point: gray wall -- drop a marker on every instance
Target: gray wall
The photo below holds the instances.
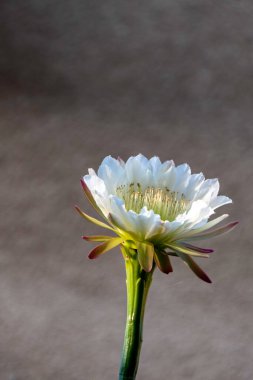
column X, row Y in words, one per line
column 80, row 80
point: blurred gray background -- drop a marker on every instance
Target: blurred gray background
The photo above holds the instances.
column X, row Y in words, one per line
column 84, row 79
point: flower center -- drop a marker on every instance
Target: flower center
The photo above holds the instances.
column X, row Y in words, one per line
column 168, row 204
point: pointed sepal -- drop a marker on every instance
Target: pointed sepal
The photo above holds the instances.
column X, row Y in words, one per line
column 105, row 247
column 201, row 230
column 97, row 238
column 93, row 220
column 213, row 233
column 194, row 267
column 162, row 260
column 91, row 198
column 145, row 255
column 186, row 250
column 197, row 249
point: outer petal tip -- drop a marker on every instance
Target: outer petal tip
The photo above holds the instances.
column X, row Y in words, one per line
column 198, row 249
column 78, row 209
column 121, row 161
column 163, row 262
column 106, row 246
column 204, row 277
column 84, row 185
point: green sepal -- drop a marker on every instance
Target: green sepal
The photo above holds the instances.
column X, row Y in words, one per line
column 97, row 238
column 105, row 247
column 187, row 251
column 145, row 255
column 93, row 220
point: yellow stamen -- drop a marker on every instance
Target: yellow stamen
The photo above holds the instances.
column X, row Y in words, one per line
column 168, row 204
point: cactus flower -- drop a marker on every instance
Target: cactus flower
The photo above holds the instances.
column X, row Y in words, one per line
column 155, row 210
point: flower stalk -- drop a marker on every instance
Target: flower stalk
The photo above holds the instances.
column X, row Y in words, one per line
column 137, row 283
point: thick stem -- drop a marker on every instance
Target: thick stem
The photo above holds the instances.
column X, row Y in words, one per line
column 138, row 282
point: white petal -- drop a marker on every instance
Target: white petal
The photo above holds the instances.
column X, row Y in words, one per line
column 137, row 170
column 219, row 201
column 166, row 177
column 198, row 214
column 155, row 164
column 98, row 189
column 193, row 186
column 171, row 229
column 144, row 225
column 194, row 232
column 183, row 173
column 94, row 183
column 150, row 223
column 111, row 171
column 118, row 209
column 208, row 190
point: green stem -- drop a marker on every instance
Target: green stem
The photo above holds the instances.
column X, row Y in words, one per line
column 138, row 282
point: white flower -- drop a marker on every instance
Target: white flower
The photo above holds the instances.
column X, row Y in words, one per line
column 156, row 208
